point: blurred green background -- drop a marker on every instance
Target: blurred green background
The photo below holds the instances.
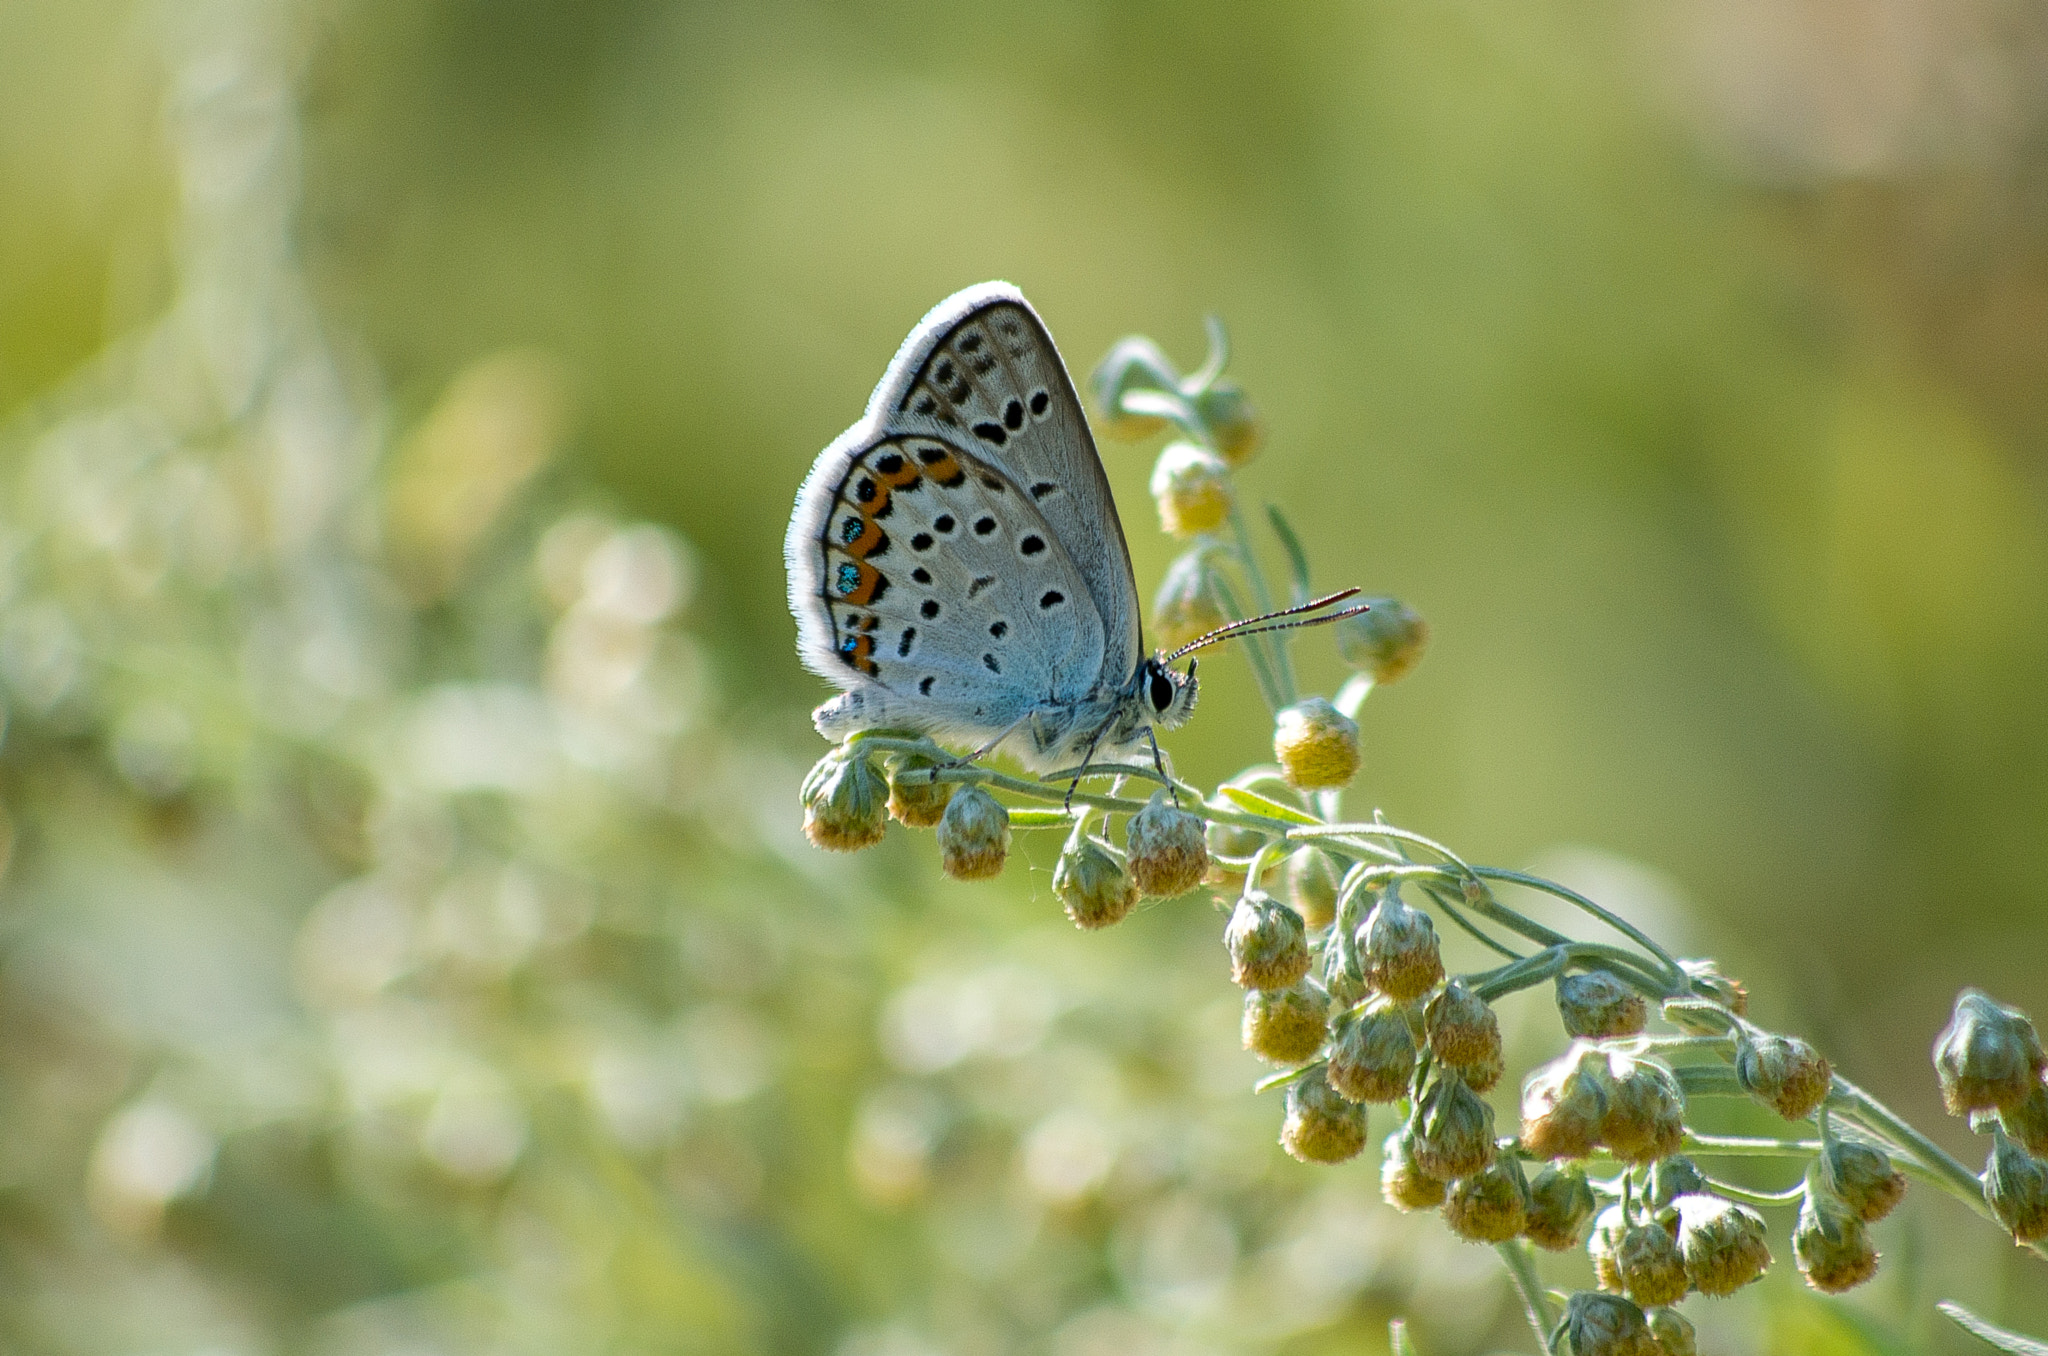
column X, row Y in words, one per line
column 406, row 945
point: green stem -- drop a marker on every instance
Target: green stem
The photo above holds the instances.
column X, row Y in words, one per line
column 1274, row 644
column 1613, row 920
column 1269, row 686
column 1535, row 1299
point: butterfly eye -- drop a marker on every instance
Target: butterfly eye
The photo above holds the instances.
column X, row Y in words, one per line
column 1162, row 691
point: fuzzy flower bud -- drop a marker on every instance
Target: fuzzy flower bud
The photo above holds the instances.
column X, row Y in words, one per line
column 1708, row 982
column 1862, row 1178
column 2027, row 1121
column 1649, row 1265
column 1831, row 1245
column 1564, row 1103
column 1092, row 885
column 1599, row 1324
column 1404, row 1185
column 1452, row 1130
column 915, row 800
column 1191, row 486
column 1645, row 1117
column 1989, row 1056
column 1165, row 849
column 1316, row 745
column 1723, row 1243
column 1373, row 1056
column 1491, row 1205
column 1602, row 1243
column 1135, row 364
column 1561, row 1209
column 974, row 835
column 845, row 803
column 1312, row 881
column 1398, row 950
column 1784, row 1073
column 2016, row 1189
column 1321, row 1127
column 1268, row 946
column 1233, row 424
column 1185, row 606
column 1597, row 1006
column 1671, row 1178
column 1464, row 1034
column 1674, row 1333
column 1384, row 643
column 1286, row 1025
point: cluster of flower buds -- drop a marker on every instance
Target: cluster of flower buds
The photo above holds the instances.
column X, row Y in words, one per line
column 1992, row 1069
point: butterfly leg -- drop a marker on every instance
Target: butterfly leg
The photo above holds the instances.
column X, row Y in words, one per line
column 1087, row 757
column 1159, row 765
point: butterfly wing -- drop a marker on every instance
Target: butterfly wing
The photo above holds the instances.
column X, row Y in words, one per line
column 926, row 583
column 981, row 373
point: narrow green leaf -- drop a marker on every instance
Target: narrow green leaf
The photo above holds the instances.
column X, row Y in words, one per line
column 1398, row 1339
column 1996, row 1336
column 1040, row 819
column 1297, row 559
column 1271, row 809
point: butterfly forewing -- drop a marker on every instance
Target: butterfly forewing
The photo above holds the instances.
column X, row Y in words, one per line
column 982, row 372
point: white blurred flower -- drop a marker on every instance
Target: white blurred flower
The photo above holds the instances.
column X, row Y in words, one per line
column 150, row 1154
column 1068, row 1155
column 475, row 1129
column 1002, row 1010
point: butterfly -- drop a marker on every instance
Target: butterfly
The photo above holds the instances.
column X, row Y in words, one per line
column 956, row 564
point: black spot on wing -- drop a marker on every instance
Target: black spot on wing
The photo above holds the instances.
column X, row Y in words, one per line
column 929, row 610
column 921, row 542
column 903, row 645
column 1039, row 401
column 1013, row 415
column 979, row 584
column 1032, row 544
column 995, row 484
column 991, row 433
column 983, row 526
column 999, row 629
column 921, row 575
column 1040, row 489
column 944, row 524
column 989, row 662
column 1051, row 598
column 924, row 686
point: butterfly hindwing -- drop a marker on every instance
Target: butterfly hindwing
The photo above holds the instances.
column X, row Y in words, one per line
column 982, row 372
column 939, row 595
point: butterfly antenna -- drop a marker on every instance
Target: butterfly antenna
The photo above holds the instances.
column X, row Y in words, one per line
column 1268, row 621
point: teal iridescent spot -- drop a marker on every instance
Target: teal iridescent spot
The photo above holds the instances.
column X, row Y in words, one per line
column 849, row 577
column 850, row 530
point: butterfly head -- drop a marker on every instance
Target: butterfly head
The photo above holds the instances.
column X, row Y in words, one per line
column 1167, row 694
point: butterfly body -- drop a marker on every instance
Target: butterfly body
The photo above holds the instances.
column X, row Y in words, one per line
column 955, row 559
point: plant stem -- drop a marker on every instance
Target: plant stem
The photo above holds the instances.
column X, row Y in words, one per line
column 1535, row 1299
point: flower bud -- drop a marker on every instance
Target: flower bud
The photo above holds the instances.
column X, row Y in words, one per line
column 1671, row 1178
column 1404, row 1185
column 1347, row 988
column 1831, row 1245
column 2027, row 1121
column 1191, row 486
column 1597, row 1006
column 1452, row 1130
column 2016, row 1189
column 1490, row 1205
column 1092, row 885
column 1723, row 1243
column 1373, row 1056
column 1602, row 1244
column 1564, row 1103
column 1649, row 1265
column 915, row 800
column 1234, row 426
column 1268, row 947
column 1134, row 364
column 1862, row 1178
column 1384, row 643
column 1674, row 1333
column 1709, row 982
column 1185, row 606
column 845, row 803
column 1645, row 1117
column 1316, row 745
column 974, row 835
column 1561, row 1209
column 1464, row 1034
column 1286, row 1025
column 1599, row 1324
column 1313, row 878
column 1784, row 1073
column 1321, row 1127
column 1165, row 850
column 1397, row 948
column 1989, row 1056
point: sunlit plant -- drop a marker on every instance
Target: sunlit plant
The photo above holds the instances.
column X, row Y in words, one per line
column 1332, row 931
